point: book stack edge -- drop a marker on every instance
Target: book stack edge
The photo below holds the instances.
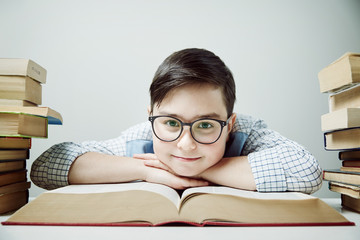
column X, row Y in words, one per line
column 21, row 119
column 341, row 126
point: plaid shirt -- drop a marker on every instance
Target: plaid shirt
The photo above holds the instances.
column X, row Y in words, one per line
column 278, row 164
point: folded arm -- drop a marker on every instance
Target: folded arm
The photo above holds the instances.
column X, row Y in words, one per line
column 92, row 163
column 280, row 164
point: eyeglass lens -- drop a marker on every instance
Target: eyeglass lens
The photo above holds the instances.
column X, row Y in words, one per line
column 203, row 130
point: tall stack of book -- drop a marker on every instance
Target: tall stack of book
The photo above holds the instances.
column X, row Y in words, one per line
column 341, row 126
column 21, row 119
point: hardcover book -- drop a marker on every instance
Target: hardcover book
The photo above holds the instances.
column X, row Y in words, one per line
column 148, row 204
column 336, row 175
column 15, row 143
column 12, row 177
column 22, row 67
column 349, row 98
column 343, row 139
column 344, row 72
column 347, row 189
column 13, row 154
column 13, row 196
column 20, row 88
column 350, row 202
column 349, row 155
column 14, row 124
column 53, row 116
column 341, row 119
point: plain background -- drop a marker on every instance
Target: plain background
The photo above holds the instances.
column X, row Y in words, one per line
column 101, row 57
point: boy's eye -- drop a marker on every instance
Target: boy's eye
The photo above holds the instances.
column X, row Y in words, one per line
column 205, row 125
column 172, row 123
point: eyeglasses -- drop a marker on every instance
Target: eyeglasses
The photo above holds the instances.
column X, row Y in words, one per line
column 204, row 131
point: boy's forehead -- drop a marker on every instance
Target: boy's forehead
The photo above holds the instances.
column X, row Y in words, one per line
column 193, row 102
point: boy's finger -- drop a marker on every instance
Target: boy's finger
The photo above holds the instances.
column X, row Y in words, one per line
column 156, row 164
column 145, row 156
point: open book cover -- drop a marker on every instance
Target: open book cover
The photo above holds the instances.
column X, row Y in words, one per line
column 147, row 204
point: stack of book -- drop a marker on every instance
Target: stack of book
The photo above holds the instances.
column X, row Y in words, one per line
column 21, row 119
column 341, row 126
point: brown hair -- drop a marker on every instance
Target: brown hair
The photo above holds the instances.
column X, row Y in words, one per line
column 192, row 66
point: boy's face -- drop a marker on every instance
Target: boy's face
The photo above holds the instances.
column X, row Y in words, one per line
column 185, row 156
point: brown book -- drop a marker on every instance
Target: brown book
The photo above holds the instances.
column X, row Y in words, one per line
column 23, row 125
column 344, row 139
column 350, row 169
column 14, row 102
column 347, row 189
column 336, row 175
column 340, row 119
column 349, row 155
column 15, row 187
column 13, row 154
column 350, row 202
column 351, row 163
column 344, row 72
column 148, row 204
column 53, row 116
column 20, row 88
column 15, row 143
column 13, row 201
column 22, row 67
column 12, row 166
column 12, row 177
column 349, row 98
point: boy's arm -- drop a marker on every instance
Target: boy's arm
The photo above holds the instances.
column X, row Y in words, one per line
column 95, row 162
column 278, row 163
column 232, row 172
column 92, row 168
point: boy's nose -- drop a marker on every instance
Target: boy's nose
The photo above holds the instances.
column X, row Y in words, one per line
column 186, row 141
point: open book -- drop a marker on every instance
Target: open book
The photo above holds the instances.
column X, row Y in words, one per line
column 142, row 203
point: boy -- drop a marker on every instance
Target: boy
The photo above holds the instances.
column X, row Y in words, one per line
column 192, row 138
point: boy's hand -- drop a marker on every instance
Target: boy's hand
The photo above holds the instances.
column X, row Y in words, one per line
column 158, row 172
column 151, row 160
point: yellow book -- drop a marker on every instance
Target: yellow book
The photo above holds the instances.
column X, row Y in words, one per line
column 349, row 98
column 22, row 67
column 23, row 125
column 148, row 204
column 14, row 154
column 340, row 119
column 344, row 72
column 15, row 143
column 343, row 139
column 20, row 88
column 53, row 116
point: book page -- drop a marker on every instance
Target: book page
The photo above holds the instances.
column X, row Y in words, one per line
column 163, row 190
column 245, row 193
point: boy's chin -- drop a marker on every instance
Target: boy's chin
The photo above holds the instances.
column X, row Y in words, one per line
column 186, row 173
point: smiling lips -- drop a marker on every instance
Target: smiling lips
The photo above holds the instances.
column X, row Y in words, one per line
column 186, row 159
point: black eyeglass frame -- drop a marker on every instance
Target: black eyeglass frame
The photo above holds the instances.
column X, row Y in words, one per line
column 222, row 124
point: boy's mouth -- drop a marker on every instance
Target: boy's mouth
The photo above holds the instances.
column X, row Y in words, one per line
column 186, row 159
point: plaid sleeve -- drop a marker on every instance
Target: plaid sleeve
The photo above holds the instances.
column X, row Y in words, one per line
column 50, row 170
column 280, row 164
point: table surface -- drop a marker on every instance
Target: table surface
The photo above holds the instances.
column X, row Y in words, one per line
column 184, row 232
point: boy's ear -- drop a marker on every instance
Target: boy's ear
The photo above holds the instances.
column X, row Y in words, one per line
column 149, row 110
column 231, row 122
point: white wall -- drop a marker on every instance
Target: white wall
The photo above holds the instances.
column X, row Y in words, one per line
column 101, row 57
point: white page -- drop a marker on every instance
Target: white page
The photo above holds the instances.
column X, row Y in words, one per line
column 247, row 194
column 163, row 190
